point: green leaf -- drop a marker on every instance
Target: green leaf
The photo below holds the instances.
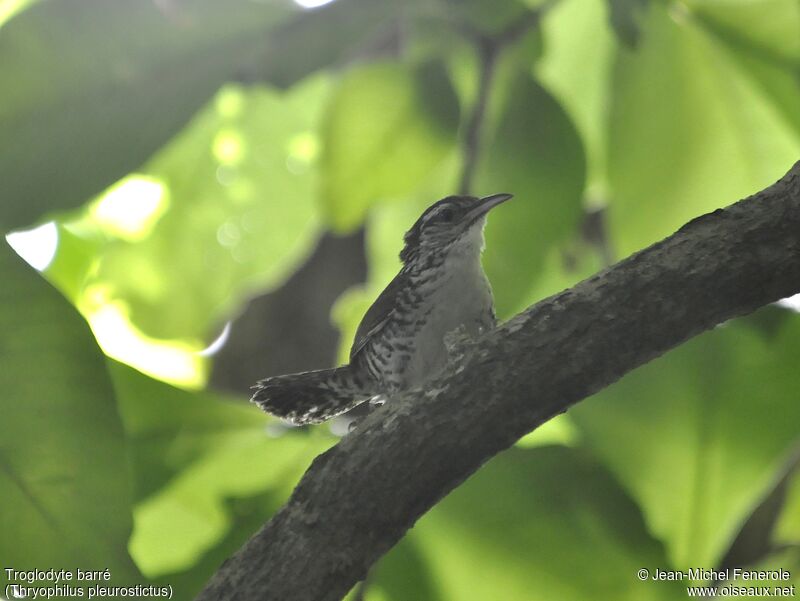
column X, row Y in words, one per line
column 624, row 16
column 559, row 430
column 403, row 574
column 11, row 8
column 781, row 562
column 169, row 428
column 787, row 528
column 92, row 87
column 531, row 525
column 236, row 213
column 690, row 132
column 387, row 127
column 766, row 26
column 536, row 154
column 700, row 435
column 773, row 76
column 199, row 461
column 66, row 500
column 576, row 68
column 247, row 516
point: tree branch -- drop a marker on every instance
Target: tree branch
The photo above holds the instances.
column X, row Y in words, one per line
column 359, row 498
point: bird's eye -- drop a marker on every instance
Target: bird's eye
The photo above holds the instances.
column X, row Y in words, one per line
column 447, row 215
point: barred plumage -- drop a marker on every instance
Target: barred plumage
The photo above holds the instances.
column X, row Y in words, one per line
column 400, row 343
column 314, row 396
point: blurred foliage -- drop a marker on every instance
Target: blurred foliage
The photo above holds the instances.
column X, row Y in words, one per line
column 538, row 521
column 787, row 530
column 62, row 443
column 535, row 151
column 191, row 153
column 787, row 560
column 242, row 176
column 375, row 149
column 686, row 414
column 194, row 454
column 85, row 76
column 683, row 104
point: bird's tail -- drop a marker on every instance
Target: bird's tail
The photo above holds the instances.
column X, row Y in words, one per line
column 314, row 396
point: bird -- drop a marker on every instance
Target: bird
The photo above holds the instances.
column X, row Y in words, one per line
column 401, row 342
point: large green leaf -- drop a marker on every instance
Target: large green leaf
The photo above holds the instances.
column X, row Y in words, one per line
column 247, row 516
column 690, row 131
column 545, row 523
column 66, row 500
column 773, row 76
column 199, row 460
column 237, row 190
column 536, row 154
column 700, row 435
column 387, row 127
column 92, row 87
column 576, row 67
column 766, row 26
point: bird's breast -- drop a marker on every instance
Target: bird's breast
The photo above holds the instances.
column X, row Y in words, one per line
column 412, row 347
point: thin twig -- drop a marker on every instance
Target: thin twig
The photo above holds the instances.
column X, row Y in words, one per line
column 487, row 53
column 519, row 28
column 489, row 50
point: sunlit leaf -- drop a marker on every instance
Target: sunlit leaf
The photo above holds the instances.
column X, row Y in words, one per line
column 769, row 26
column 699, row 436
column 246, row 517
column 66, row 499
column 91, row 88
column 387, row 127
column 238, row 185
column 559, row 430
column 690, row 132
column 773, row 77
column 576, row 67
column 193, row 455
column 11, row 8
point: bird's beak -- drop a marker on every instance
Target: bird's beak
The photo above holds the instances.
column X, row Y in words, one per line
column 486, row 204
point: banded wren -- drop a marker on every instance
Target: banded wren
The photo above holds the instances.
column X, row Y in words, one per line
column 401, row 341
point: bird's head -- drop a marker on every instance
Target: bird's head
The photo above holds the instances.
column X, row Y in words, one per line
column 451, row 223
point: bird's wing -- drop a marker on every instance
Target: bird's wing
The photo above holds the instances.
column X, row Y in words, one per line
column 378, row 314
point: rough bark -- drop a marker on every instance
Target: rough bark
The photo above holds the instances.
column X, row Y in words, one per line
column 359, row 498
